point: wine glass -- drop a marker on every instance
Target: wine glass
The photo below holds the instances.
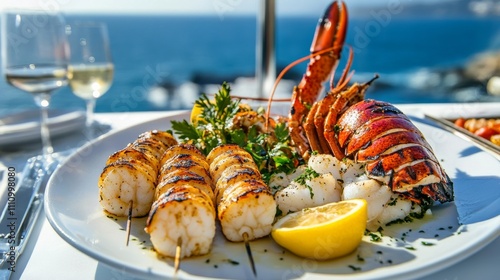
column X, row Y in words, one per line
column 35, row 58
column 91, row 68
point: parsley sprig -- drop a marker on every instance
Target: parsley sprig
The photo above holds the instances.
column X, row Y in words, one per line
column 270, row 150
column 212, row 128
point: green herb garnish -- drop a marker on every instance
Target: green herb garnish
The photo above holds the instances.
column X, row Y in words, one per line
column 393, row 201
column 308, row 175
column 373, row 236
column 213, row 126
column 232, row 262
column 217, row 126
column 354, row 268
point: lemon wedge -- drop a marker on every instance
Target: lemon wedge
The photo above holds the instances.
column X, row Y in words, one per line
column 323, row 232
column 196, row 114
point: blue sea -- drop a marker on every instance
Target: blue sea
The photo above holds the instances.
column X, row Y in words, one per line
column 415, row 57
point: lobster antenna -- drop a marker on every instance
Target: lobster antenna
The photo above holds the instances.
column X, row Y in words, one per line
column 249, row 253
column 344, row 83
column 259, row 98
column 372, row 80
column 332, row 77
column 129, row 220
column 347, row 68
column 282, row 73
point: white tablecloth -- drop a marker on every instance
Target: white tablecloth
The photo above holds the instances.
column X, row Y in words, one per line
column 48, row 256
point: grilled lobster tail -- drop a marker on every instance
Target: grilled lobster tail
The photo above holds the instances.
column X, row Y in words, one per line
column 394, row 150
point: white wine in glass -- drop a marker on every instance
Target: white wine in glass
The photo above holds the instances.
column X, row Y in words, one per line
column 91, row 67
column 35, row 58
column 91, row 81
column 41, row 78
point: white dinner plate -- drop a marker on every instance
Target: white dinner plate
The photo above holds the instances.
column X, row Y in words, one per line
column 405, row 250
column 24, row 127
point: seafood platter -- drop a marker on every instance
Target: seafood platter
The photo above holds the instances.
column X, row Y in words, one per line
column 339, row 186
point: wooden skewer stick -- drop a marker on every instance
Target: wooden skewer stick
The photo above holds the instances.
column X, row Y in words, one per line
column 129, row 219
column 249, row 253
column 177, row 260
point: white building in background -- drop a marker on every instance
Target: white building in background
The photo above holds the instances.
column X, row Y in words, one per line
column 485, row 7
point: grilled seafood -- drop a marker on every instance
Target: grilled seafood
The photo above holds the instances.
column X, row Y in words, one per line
column 184, row 163
column 373, row 133
column 183, row 214
column 130, row 174
column 245, row 205
column 355, row 148
column 394, row 151
column 316, row 191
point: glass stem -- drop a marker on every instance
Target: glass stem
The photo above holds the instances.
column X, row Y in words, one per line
column 43, row 101
column 90, row 112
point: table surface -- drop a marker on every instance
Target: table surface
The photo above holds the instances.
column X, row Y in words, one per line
column 48, row 256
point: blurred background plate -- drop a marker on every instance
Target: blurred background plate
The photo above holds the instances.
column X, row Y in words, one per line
column 24, row 127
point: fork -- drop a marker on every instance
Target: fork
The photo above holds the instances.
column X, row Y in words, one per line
column 20, row 213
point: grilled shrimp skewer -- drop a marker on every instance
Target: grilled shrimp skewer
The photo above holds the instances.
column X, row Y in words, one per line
column 129, row 176
column 181, row 222
column 240, row 189
column 128, row 180
column 245, row 205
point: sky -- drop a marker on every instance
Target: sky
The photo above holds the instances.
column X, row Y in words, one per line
column 217, row 7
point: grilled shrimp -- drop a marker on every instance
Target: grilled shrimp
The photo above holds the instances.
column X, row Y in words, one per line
column 182, row 177
column 122, row 182
column 183, row 150
column 228, row 159
column 183, row 212
column 246, row 207
column 180, row 167
column 185, row 216
column 130, row 174
column 232, row 175
column 132, row 155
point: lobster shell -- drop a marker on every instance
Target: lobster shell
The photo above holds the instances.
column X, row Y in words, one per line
column 394, row 150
